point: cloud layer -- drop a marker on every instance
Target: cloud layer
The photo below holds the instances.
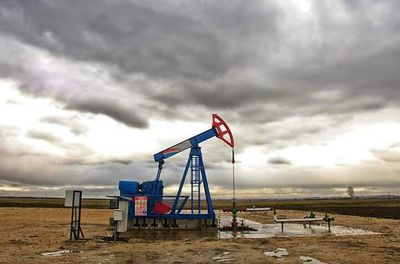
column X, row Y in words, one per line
column 290, row 79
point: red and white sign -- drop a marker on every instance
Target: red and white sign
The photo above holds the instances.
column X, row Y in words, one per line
column 140, row 205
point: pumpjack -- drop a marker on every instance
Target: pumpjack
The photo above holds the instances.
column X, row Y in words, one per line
column 149, row 207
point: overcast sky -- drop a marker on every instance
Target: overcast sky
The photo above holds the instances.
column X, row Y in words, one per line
column 90, row 90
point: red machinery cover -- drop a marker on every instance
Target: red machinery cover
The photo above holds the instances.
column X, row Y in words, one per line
column 161, row 208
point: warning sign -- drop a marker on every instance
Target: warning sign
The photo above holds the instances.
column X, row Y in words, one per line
column 141, row 205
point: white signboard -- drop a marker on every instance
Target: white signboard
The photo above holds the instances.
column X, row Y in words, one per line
column 69, row 195
column 140, row 205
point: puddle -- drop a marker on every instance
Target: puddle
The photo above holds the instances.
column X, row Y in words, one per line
column 290, row 230
column 278, row 253
column 59, row 253
column 223, row 258
column 309, row 260
column 263, row 231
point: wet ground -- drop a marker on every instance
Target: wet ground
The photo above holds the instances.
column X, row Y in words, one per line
column 290, row 230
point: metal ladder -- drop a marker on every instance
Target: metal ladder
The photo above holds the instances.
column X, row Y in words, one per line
column 195, row 183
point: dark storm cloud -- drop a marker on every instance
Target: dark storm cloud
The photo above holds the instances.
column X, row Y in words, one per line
column 355, row 50
column 278, row 78
column 160, row 40
column 179, row 47
column 109, row 108
column 204, row 51
column 73, row 87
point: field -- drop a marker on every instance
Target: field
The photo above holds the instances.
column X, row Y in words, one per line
column 27, row 232
column 49, row 202
column 381, row 208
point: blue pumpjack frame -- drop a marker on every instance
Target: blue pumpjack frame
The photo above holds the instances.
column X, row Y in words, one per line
column 176, row 212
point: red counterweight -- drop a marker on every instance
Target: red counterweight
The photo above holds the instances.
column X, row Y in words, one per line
column 223, row 129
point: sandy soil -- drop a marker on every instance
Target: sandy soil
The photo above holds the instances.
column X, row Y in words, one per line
column 25, row 233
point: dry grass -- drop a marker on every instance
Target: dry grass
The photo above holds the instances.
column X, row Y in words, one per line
column 383, row 208
column 45, row 202
column 25, row 233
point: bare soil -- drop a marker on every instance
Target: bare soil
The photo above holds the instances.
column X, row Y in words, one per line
column 25, row 233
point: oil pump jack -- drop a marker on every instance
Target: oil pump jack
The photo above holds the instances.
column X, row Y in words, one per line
column 156, row 208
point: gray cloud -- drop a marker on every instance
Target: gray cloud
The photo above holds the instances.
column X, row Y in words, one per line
column 390, row 155
column 36, row 171
column 109, row 108
column 26, row 167
column 278, row 78
column 159, row 40
column 224, row 56
column 279, row 161
column 73, row 123
column 41, row 135
column 8, row 131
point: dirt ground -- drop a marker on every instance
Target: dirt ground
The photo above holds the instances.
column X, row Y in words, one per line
column 25, row 233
